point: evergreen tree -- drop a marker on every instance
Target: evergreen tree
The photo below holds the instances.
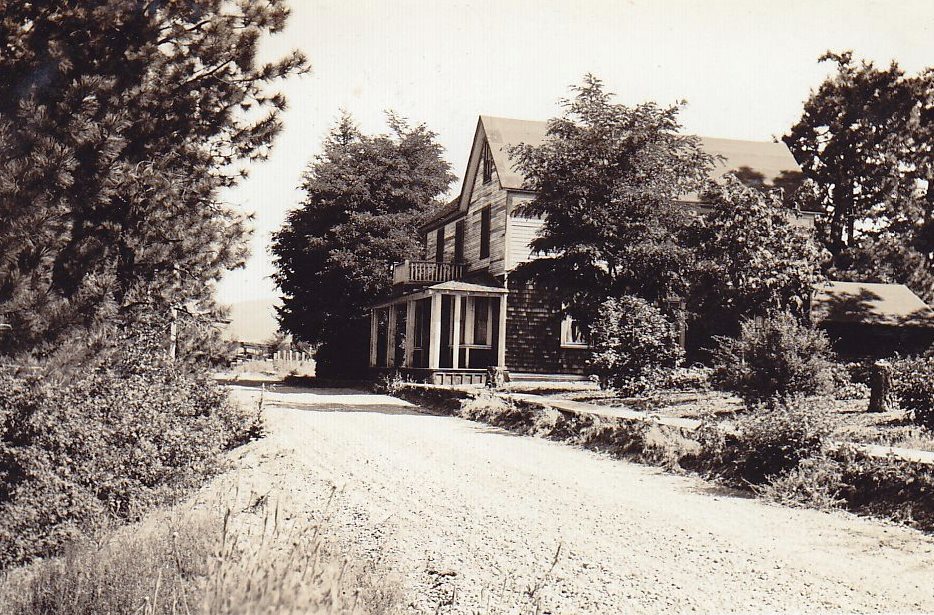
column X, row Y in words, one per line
column 120, row 121
column 366, row 197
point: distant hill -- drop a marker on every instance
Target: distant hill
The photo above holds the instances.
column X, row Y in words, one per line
column 252, row 321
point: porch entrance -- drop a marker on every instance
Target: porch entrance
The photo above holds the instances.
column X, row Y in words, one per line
column 453, row 326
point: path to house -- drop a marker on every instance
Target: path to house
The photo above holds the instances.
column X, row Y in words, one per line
column 480, row 520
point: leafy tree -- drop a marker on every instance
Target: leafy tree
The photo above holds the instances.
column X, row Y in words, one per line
column 751, row 260
column 366, row 197
column 120, row 122
column 865, row 143
column 606, row 179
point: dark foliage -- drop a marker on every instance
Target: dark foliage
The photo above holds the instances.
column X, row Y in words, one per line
column 634, row 345
column 774, row 357
column 108, row 441
column 751, row 259
column 120, row 121
column 772, row 440
column 366, row 197
column 913, row 387
column 606, row 179
column 866, row 145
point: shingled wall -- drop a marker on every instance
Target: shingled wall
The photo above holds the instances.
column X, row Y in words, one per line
column 533, row 334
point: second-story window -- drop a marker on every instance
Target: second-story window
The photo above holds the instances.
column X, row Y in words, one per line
column 439, row 245
column 485, row 232
column 459, row 242
column 486, row 160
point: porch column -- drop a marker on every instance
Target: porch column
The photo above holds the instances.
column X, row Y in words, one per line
column 456, row 325
column 391, row 337
column 374, row 333
column 434, row 343
column 501, row 342
column 409, row 333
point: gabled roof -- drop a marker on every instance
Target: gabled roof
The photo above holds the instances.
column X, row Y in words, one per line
column 870, row 304
column 770, row 160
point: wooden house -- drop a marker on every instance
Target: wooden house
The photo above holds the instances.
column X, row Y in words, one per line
column 457, row 312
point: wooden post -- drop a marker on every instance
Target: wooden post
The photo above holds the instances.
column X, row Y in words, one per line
column 374, row 333
column 456, row 326
column 409, row 334
column 391, row 337
column 501, row 342
column 880, row 387
column 434, row 343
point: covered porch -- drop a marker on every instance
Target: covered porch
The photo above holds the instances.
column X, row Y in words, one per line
column 453, row 327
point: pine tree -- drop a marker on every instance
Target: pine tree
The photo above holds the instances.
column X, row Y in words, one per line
column 120, row 122
column 366, row 197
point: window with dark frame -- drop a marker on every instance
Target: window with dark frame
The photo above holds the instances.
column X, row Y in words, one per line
column 485, row 232
column 486, row 158
column 459, row 242
column 439, row 245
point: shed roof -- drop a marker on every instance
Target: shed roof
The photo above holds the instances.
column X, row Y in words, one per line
column 870, row 304
column 771, row 160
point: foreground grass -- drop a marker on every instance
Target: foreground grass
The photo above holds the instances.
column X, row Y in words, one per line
column 205, row 562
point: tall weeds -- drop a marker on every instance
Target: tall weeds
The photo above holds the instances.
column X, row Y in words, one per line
column 241, row 563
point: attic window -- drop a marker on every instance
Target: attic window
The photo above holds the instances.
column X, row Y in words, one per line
column 486, row 159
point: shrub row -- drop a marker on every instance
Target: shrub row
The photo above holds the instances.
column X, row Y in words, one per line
column 108, row 442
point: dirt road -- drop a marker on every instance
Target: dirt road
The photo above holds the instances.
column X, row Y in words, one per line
column 472, row 519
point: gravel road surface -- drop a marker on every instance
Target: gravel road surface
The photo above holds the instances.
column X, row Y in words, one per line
column 471, row 519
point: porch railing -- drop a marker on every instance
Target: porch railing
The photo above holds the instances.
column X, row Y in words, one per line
column 426, row 272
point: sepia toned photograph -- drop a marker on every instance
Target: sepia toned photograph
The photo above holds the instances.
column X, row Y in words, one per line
column 466, row 307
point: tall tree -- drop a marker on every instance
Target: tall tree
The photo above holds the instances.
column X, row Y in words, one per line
column 606, row 180
column 366, row 197
column 120, row 121
column 751, row 260
column 865, row 143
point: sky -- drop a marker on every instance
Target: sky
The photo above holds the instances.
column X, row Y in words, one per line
column 745, row 68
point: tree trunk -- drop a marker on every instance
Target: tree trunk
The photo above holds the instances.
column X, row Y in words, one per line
column 880, row 387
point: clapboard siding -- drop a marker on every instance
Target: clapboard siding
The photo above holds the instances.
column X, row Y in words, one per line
column 521, row 233
column 533, row 334
column 492, row 196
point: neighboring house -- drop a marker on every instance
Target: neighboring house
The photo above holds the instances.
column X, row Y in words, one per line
column 456, row 314
column 873, row 320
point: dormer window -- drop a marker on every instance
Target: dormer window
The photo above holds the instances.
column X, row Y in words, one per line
column 486, row 160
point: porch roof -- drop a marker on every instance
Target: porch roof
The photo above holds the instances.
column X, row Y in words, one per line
column 453, row 287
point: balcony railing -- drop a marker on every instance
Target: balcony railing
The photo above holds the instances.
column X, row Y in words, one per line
column 426, row 272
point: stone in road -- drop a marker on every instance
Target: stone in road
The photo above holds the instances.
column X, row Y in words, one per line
column 473, row 519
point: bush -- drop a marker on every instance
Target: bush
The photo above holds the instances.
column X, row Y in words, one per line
column 772, row 440
column 634, row 345
column 913, row 386
column 107, row 442
column 776, row 357
column 845, row 384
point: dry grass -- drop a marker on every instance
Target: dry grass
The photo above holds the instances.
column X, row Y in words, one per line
column 230, row 562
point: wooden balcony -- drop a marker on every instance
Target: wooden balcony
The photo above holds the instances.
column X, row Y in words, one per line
column 426, row 272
